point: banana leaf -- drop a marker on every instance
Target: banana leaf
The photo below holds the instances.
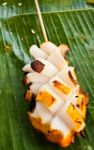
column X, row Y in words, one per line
column 13, row 7
column 75, row 28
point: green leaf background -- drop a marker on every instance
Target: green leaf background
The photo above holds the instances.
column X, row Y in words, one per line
column 66, row 21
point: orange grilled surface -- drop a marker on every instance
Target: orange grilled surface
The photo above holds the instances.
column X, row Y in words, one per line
column 75, row 115
column 61, row 87
column 46, row 98
column 37, row 123
column 65, row 142
column 56, row 136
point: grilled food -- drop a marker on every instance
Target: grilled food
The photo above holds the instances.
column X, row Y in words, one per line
column 59, row 102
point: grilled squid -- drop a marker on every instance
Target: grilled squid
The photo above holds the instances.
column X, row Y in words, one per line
column 60, row 104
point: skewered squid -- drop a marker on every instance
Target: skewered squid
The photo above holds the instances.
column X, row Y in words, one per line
column 60, row 103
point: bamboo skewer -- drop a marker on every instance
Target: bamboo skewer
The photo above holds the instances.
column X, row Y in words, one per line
column 41, row 20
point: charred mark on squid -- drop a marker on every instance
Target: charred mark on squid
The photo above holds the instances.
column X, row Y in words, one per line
column 28, row 95
column 71, row 77
column 37, row 66
column 32, row 103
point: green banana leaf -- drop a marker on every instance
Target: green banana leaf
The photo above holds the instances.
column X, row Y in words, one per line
column 75, row 28
column 13, row 7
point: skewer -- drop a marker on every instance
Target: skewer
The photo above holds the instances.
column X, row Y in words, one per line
column 41, row 20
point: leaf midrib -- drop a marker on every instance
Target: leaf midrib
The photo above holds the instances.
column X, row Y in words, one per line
column 43, row 13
